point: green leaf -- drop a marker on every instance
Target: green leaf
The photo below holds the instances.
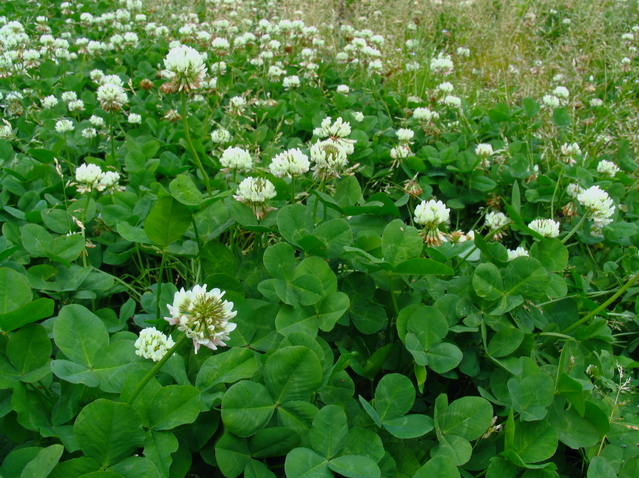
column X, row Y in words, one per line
column 183, row 189
column 232, row 454
column 573, row 391
column 136, row 467
column 308, row 289
column 336, row 234
column 36, row 310
column 298, row 416
column 36, row 240
column 291, row 319
column 173, row 406
column 526, row 276
column 467, row 417
column 371, row 411
column 273, row 441
column 561, row 116
column 409, row 426
column 599, row 468
column 103, row 474
column 42, row 465
column 394, row 396
column 530, row 442
column 279, row 261
column 305, row 463
column 132, row 234
column 364, row 442
column 329, row 431
column 313, row 246
column 331, row 309
column 167, row 222
column 500, row 468
column 551, row 253
column 29, row 349
column 354, row 466
column 444, row 357
column 80, row 334
column 401, row 242
column 257, row 469
column 487, row 281
column 429, row 325
column 74, row 468
column 15, row 291
column 573, row 430
column 438, row 467
column 292, row 373
column 368, row 319
column 531, row 395
column 294, row 221
column 348, row 191
column 246, row 408
column 108, row 431
column 454, row 447
column 158, row 447
column 420, row 266
column 227, row 367
column 505, row 342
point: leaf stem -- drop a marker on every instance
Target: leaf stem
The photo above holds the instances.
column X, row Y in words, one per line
column 574, row 229
column 603, row 306
column 187, row 135
column 156, row 369
column 159, row 288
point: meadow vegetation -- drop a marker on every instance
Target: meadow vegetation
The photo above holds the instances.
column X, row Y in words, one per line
column 337, row 238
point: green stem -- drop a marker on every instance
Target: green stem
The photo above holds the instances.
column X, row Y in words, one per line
column 156, row 369
column 84, row 234
column 112, row 135
column 199, row 251
column 187, row 135
column 66, row 144
column 292, row 189
column 44, row 395
column 321, row 187
column 554, row 194
column 159, row 289
column 604, row 305
column 574, row 229
column 395, row 308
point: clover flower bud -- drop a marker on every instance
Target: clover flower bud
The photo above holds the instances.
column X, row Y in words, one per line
column 255, row 193
column 152, row 344
column 545, row 227
column 289, row 163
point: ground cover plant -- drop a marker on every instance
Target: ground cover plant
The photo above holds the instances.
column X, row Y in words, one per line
column 387, row 239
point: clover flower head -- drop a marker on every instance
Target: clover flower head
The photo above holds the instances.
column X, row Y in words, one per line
column 110, row 182
column 63, row 126
column 442, row 64
column 152, row 344
column 111, row 97
column 599, row 206
column 404, row 134
column 184, row 67
column 431, row 214
column 236, row 158
column 545, row 227
column 329, row 158
column 220, row 136
column 203, row 316
column 607, row 168
column 424, row 114
column 88, row 177
column 496, row 221
column 484, row 150
column 289, row 163
column 255, row 193
column 519, row 252
column 573, row 190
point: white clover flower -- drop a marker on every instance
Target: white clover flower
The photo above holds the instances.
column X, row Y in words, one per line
column 5, row 131
column 275, row 72
column 329, row 158
column 413, row 66
column 68, row 96
column 184, row 67
column 607, row 168
column 220, row 136
column 570, row 149
column 111, row 97
column 97, row 76
column 76, row 105
column 600, row 207
column 545, row 227
column 445, row 87
column 49, row 102
column 344, row 89
column 134, row 118
column 573, row 190
column 237, row 103
column 596, row 102
column 431, row 213
column 358, row 116
column 236, row 158
column 561, row 92
column 400, row 152
column 337, row 129
column 97, row 121
column 89, row 133
column 484, row 150
column 519, row 252
column 291, row 82
column 452, row 101
column 442, row 64
column 203, row 316
column 551, row 101
column 496, row 221
column 88, row 176
column 424, row 114
column 255, row 193
column 404, row 134
column 63, row 126
column 627, row 37
column 221, row 44
column 463, row 51
column 289, row 163
column 109, row 181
